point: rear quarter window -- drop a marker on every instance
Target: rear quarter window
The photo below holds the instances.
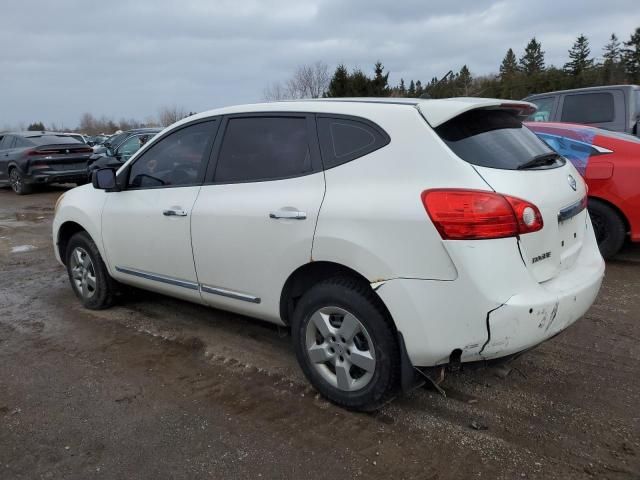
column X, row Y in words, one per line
column 343, row 139
column 588, row 108
column 491, row 138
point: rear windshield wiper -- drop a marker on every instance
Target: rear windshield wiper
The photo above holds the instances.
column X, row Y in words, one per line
column 540, row 160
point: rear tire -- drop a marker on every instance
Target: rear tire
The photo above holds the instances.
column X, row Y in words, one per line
column 88, row 274
column 608, row 226
column 16, row 180
column 346, row 344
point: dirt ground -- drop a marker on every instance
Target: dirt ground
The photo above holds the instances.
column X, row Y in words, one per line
column 159, row 388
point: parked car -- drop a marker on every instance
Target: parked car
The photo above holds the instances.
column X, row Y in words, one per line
column 78, row 136
column 115, row 158
column 610, row 164
column 388, row 234
column 615, row 107
column 97, row 140
column 31, row 158
column 116, row 140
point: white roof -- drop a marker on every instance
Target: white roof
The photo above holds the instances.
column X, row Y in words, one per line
column 435, row 111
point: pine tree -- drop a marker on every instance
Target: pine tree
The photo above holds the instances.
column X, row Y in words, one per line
column 402, row 89
column 532, row 61
column 412, row 89
column 579, row 55
column 339, row 84
column 380, row 82
column 611, row 51
column 419, row 89
column 631, row 57
column 612, row 68
column 509, row 65
column 359, row 84
column 464, row 81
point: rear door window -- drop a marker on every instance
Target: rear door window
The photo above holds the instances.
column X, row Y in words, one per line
column 343, row 139
column 588, row 108
column 264, row 148
column 495, row 139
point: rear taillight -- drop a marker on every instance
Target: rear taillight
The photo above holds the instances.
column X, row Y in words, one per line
column 36, row 153
column 478, row 214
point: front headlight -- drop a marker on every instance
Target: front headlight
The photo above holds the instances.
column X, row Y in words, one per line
column 55, row 209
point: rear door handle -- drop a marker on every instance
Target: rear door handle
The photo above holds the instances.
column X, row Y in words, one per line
column 290, row 214
column 174, row 212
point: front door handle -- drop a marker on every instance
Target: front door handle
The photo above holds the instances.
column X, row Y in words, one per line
column 290, row 214
column 174, row 212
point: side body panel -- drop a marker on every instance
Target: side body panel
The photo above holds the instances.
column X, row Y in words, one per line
column 373, row 219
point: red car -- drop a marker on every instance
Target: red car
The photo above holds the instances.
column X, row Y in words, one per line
column 610, row 164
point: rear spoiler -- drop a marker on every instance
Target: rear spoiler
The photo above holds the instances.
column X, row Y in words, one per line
column 437, row 112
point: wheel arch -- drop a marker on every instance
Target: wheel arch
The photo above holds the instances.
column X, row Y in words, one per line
column 615, row 208
column 67, row 230
column 308, row 275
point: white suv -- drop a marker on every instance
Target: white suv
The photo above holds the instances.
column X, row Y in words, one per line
column 388, row 234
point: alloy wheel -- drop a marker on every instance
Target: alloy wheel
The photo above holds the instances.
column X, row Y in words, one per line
column 15, row 180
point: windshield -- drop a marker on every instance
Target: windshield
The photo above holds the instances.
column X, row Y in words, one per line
column 495, row 139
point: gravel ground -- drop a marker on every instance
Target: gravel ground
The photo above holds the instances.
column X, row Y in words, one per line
column 159, row 388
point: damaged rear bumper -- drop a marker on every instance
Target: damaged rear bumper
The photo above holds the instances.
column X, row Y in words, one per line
column 485, row 313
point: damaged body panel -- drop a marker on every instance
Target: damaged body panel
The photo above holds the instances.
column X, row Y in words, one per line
column 492, row 309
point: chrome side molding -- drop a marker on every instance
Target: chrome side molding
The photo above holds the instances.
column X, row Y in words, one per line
column 229, row 293
column 190, row 285
column 159, row 278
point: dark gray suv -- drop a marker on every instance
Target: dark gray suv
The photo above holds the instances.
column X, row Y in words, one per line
column 613, row 107
column 30, row 158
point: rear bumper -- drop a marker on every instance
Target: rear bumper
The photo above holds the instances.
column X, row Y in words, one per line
column 57, row 176
column 494, row 308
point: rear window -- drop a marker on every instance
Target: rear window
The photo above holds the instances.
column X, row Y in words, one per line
column 588, row 108
column 492, row 138
column 52, row 139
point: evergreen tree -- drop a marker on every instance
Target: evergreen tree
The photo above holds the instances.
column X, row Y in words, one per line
column 359, row 84
column 532, row 61
column 380, row 82
column 579, row 55
column 419, row 89
column 339, row 84
column 412, row 89
column 464, row 81
column 611, row 51
column 631, row 57
column 509, row 65
column 402, row 90
column 36, row 127
column 612, row 68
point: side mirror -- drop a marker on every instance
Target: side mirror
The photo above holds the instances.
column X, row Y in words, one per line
column 104, row 179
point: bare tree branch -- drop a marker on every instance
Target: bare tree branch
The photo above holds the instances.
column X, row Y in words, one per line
column 308, row 81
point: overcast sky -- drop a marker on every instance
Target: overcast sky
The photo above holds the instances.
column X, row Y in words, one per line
column 125, row 59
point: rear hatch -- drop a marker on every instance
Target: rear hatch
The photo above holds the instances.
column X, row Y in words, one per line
column 513, row 161
column 58, row 153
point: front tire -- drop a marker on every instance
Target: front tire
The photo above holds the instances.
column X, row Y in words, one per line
column 608, row 227
column 346, row 345
column 88, row 274
column 16, row 180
